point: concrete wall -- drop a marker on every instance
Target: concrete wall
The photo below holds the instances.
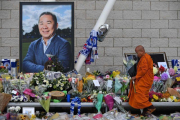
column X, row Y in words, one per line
column 155, row 24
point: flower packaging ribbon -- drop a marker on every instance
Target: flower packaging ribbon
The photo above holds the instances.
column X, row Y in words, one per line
column 109, row 101
column 78, row 100
column 99, row 101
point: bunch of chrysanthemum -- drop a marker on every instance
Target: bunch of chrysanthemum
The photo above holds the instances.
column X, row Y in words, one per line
column 166, row 97
column 155, row 97
column 172, row 99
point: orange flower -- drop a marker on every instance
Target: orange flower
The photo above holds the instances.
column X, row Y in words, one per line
column 83, row 100
column 166, row 95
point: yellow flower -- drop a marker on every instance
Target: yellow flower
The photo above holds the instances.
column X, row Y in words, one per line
column 36, row 88
column 175, row 68
column 89, row 77
column 152, row 100
column 155, row 97
column 172, row 97
column 69, row 76
column 155, row 70
column 33, row 116
column 115, row 73
column 178, row 78
column 175, row 100
column 22, row 117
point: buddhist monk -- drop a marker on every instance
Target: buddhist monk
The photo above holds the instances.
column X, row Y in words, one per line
column 139, row 96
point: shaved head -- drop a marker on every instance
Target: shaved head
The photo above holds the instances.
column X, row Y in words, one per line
column 140, row 48
column 140, row 51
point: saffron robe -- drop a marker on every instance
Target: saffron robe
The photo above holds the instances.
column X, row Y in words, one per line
column 36, row 58
column 139, row 98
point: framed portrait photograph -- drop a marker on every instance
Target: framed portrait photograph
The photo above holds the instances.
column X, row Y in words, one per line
column 156, row 57
column 46, row 29
column 28, row 110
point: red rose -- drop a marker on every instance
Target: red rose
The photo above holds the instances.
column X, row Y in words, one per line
column 161, row 69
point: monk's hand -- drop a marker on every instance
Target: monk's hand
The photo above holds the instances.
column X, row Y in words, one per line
column 133, row 78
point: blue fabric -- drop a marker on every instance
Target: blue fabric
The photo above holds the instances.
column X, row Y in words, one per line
column 48, row 43
column 90, row 48
column 36, row 58
column 78, row 100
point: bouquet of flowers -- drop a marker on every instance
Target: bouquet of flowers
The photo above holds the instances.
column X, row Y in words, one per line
column 158, row 85
column 165, row 78
column 115, row 73
column 39, row 90
column 60, row 83
column 3, row 70
column 45, row 101
column 109, row 101
column 14, row 109
column 14, row 112
column 27, row 78
column 40, row 116
column 102, row 84
column 19, row 98
column 97, row 73
column 124, row 98
column 170, row 99
column 88, row 83
column 110, row 75
column 19, row 85
column 74, row 82
column 6, row 86
column 98, row 101
column 37, row 79
column 125, row 82
column 166, row 95
column 155, row 97
column 176, row 78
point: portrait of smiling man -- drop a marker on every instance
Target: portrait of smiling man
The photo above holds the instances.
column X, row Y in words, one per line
column 49, row 43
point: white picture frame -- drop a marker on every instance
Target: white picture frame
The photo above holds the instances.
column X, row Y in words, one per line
column 28, row 110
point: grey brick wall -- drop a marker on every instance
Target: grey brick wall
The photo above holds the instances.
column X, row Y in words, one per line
column 155, row 24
